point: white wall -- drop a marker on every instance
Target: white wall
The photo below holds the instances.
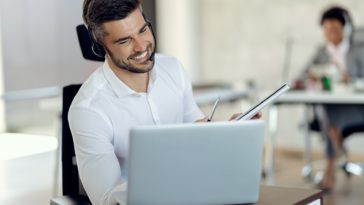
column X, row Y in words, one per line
column 2, row 104
column 178, row 33
column 40, row 49
column 40, row 46
column 245, row 39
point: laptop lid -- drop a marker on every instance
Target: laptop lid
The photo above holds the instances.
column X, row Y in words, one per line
column 200, row 163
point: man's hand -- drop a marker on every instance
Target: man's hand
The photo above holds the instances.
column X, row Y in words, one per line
column 346, row 78
column 312, row 78
column 202, row 120
column 255, row 117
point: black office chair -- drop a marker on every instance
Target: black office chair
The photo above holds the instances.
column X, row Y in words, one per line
column 348, row 167
column 73, row 192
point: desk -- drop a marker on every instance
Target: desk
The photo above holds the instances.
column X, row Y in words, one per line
column 26, row 168
column 306, row 98
column 274, row 195
column 16, row 145
column 310, row 97
column 269, row 195
column 208, row 96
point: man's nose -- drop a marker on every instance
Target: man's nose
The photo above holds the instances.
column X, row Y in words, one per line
column 139, row 44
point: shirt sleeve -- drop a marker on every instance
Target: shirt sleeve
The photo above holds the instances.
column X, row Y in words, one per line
column 191, row 112
column 98, row 165
column 319, row 57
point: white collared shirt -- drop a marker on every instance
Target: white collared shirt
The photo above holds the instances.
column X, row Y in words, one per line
column 105, row 109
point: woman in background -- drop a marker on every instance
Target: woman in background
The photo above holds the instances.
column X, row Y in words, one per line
column 346, row 61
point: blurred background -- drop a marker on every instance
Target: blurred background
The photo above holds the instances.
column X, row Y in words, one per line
column 240, row 43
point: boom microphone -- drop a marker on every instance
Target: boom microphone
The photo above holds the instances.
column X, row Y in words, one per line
column 152, row 56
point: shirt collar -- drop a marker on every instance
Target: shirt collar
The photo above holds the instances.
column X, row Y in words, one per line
column 119, row 87
column 342, row 48
column 152, row 77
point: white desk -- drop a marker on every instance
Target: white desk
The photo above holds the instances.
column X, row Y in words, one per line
column 208, row 96
column 16, row 145
column 27, row 168
column 310, row 97
column 306, row 98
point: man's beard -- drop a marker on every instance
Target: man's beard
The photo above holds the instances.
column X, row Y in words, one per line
column 126, row 66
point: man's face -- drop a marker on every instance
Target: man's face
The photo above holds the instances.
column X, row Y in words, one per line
column 130, row 43
column 333, row 30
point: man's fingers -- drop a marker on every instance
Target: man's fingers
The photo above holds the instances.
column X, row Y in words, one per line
column 234, row 116
column 257, row 116
column 202, row 120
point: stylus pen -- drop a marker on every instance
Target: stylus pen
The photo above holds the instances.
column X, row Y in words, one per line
column 213, row 109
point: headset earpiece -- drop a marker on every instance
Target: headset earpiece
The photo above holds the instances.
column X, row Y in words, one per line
column 348, row 28
column 97, row 49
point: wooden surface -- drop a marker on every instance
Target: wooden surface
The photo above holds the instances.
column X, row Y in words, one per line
column 274, row 195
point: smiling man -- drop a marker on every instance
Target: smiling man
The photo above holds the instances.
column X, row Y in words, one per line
column 133, row 87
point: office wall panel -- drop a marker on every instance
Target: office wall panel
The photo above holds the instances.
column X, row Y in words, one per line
column 40, row 46
column 248, row 39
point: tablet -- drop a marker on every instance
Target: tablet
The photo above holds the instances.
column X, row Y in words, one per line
column 254, row 110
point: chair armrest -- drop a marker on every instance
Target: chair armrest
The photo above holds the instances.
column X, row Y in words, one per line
column 70, row 200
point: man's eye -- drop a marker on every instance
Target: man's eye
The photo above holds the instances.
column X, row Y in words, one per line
column 124, row 41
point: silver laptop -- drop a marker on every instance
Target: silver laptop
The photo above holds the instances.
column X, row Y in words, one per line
column 200, row 163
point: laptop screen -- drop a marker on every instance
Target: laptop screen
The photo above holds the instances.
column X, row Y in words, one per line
column 202, row 163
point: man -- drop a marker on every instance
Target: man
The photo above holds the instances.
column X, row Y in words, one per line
column 346, row 57
column 133, row 87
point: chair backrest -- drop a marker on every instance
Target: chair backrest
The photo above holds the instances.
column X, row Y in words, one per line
column 86, row 44
column 70, row 178
column 359, row 35
column 352, row 129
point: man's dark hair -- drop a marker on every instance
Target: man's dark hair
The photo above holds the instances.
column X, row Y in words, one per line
column 336, row 13
column 97, row 12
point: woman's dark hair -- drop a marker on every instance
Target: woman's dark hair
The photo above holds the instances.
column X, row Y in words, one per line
column 336, row 13
column 97, row 12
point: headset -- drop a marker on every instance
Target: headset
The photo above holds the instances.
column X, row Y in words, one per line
column 349, row 27
column 99, row 50
column 96, row 48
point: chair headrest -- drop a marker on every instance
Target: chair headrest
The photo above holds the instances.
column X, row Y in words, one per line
column 86, row 44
